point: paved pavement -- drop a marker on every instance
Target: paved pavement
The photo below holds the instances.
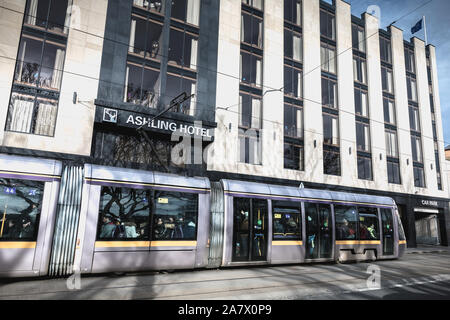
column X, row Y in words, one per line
column 422, row 273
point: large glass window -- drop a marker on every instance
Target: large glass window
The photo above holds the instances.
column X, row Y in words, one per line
column 176, row 84
column 187, row 11
column 369, row 228
column 411, row 86
column 389, row 111
column 328, row 58
column 410, row 61
column 358, row 38
column 346, row 222
column 293, row 47
column 361, row 103
column 286, row 222
column 293, row 11
column 332, row 163
column 293, row 121
column 363, row 136
column 416, row 145
column 330, row 129
column 393, row 168
column 419, row 177
column 51, row 15
column 329, row 93
column 364, row 168
column 385, row 50
column 145, row 37
column 327, row 25
column 293, row 79
column 143, row 85
column 20, row 204
column 124, row 214
column 414, row 118
column 251, row 69
column 359, row 70
column 250, row 146
column 252, row 29
column 250, row 115
column 387, row 80
column 175, row 216
column 391, row 143
column 183, row 49
column 294, row 156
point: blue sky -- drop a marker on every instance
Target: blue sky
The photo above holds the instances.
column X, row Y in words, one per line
column 438, row 29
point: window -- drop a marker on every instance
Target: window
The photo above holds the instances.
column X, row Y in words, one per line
column 177, row 84
column 361, row 104
column 330, row 129
column 252, row 30
column 286, row 222
column 414, row 119
column 51, row 15
column 257, row 4
column 368, row 223
column 183, row 49
column 331, row 163
column 419, row 177
column 358, row 38
column 152, row 5
column 416, row 145
column 293, row 48
column 175, row 216
column 410, row 61
column 329, row 93
column 250, row 146
column 359, row 70
column 346, row 222
column 364, row 168
column 362, row 137
column 327, row 25
column 294, row 156
column 391, row 144
column 293, row 11
column 21, row 202
column 251, row 69
column 142, row 85
column 250, row 115
column 145, row 38
column 187, row 11
column 293, row 82
column 401, row 231
column 387, row 80
column 293, row 121
column 385, row 50
column 328, row 58
column 124, row 214
column 389, row 111
column 412, row 89
column 393, row 168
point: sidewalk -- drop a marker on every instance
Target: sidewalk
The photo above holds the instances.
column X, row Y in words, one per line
column 428, row 249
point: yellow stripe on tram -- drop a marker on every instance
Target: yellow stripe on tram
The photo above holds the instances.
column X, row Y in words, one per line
column 353, row 242
column 17, row 245
column 287, row 243
column 139, row 244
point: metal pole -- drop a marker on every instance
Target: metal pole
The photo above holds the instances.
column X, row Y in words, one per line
column 425, row 30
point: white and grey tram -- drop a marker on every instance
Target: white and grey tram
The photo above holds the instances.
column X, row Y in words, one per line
column 92, row 219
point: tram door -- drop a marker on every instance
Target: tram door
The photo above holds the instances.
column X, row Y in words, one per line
column 319, row 238
column 250, row 230
column 388, row 231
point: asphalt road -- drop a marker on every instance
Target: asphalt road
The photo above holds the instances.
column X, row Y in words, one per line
column 415, row 276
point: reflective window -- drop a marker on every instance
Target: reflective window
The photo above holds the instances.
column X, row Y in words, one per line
column 419, row 177
column 358, row 38
column 250, row 115
column 368, row 223
column 346, row 222
column 410, row 61
column 175, row 216
column 145, row 37
column 183, row 49
column 328, row 58
column 293, row 121
column 401, row 231
column 152, row 5
column 124, row 214
column 416, row 145
column 329, row 93
column 414, row 118
column 411, row 86
column 293, row 11
column 359, row 70
column 187, row 11
column 252, row 29
column 387, row 80
column 364, row 168
column 330, row 129
column 389, row 111
column 385, row 50
column 362, row 137
column 361, row 103
column 251, row 69
column 294, row 157
column 327, row 25
column 393, row 168
column 20, row 205
column 286, row 222
column 293, row 82
column 176, row 84
column 250, row 146
column 332, row 163
column 142, row 85
column 391, row 144
column 293, row 46
column 48, row 14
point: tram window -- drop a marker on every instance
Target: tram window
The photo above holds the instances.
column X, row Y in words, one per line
column 175, row 216
column 286, row 223
column 401, row 232
column 346, row 222
column 20, row 208
column 124, row 214
column 368, row 223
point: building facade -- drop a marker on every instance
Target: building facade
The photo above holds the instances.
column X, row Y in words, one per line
column 283, row 92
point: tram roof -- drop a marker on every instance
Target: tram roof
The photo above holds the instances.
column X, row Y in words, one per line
column 268, row 190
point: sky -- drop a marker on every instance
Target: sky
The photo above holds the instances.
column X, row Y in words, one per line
column 438, row 30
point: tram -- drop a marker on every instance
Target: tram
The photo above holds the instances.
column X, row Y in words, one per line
column 97, row 219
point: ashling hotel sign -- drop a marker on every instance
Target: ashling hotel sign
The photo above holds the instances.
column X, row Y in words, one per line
column 134, row 120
